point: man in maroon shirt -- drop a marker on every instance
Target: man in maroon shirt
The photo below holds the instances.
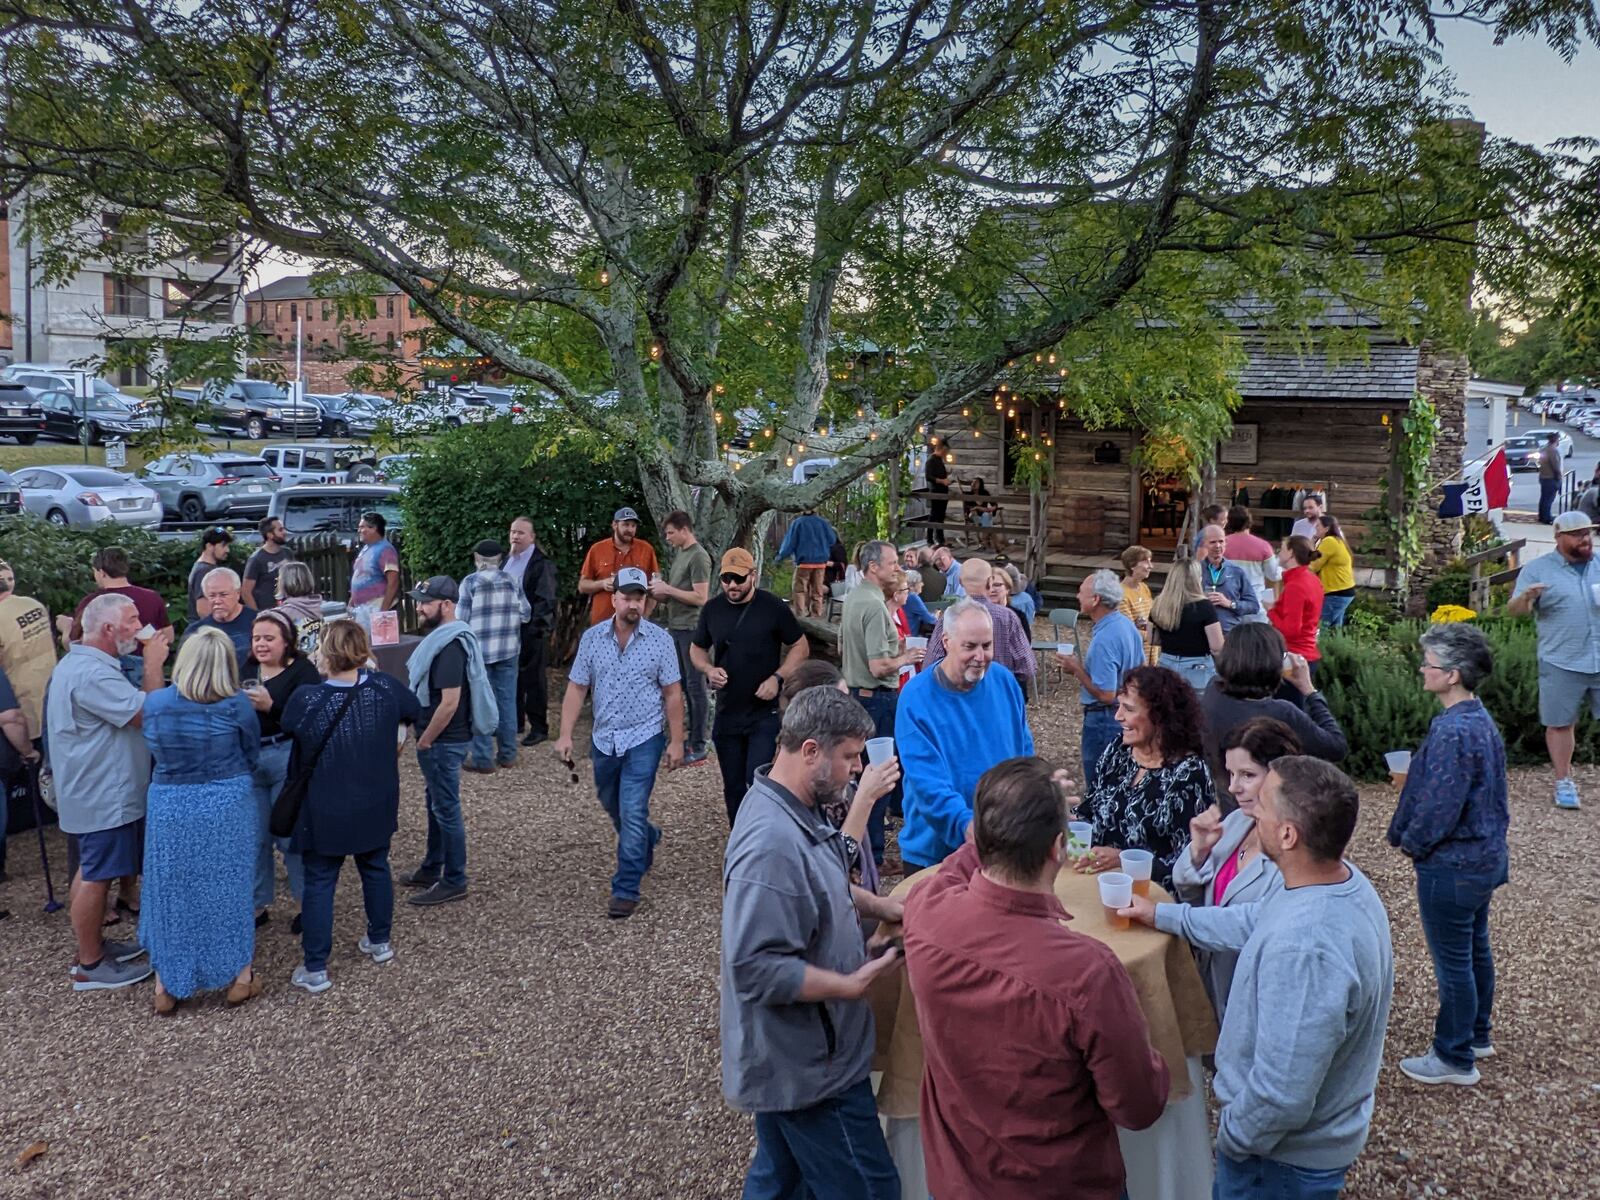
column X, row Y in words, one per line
column 110, row 566
column 1032, row 1110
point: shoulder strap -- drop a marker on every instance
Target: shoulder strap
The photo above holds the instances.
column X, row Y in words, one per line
column 311, row 763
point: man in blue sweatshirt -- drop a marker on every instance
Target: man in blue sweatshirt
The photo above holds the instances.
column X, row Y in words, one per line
column 809, row 542
column 954, row 722
column 1303, row 1036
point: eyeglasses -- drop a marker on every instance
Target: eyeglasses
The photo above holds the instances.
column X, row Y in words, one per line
column 1428, row 666
column 730, row 577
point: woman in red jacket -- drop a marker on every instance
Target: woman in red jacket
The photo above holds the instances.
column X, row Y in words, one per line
column 1298, row 611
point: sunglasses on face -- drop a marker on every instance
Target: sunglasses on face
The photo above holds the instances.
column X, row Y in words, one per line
column 730, row 577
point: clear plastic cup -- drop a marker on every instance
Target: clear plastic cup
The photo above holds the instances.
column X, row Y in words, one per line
column 880, row 750
column 1399, row 766
column 1116, row 891
column 1079, row 835
column 1137, row 864
column 1065, row 649
column 916, row 643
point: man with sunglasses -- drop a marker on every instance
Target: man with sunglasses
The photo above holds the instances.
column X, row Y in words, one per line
column 746, row 643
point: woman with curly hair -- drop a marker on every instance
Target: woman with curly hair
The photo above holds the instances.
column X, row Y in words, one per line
column 1148, row 787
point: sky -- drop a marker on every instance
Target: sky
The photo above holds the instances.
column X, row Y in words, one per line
column 1520, row 90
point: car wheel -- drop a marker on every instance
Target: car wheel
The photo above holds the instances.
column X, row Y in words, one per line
column 339, row 429
column 453, row 422
column 190, row 509
column 56, row 517
column 256, row 428
column 27, row 439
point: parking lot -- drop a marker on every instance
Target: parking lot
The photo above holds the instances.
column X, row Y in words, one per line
column 1525, row 484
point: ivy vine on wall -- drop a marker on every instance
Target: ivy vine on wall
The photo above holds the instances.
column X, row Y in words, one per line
column 1419, row 430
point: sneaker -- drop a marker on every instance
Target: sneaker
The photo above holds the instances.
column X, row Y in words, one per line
column 439, row 893
column 122, row 952
column 378, row 952
column 420, row 878
column 695, row 758
column 477, row 770
column 1430, row 1068
column 1567, row 794
column 1486, row 1051
column 110, row 974
column 506, row 765
column 619, row 909
column 311, row 981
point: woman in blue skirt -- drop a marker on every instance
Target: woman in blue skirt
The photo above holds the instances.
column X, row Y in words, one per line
column 202, row 828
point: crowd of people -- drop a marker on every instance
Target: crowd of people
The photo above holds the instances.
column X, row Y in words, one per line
column 1207, row 758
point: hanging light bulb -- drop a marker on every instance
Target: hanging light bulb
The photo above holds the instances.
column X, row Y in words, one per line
column 934, row 440
column 1062, row 372
column 766, row 433
column 1023, row 434
column 823, row 432
column 605, row 278
column 720, row 389
column 949, row 456
column 1037, row 456
column 872, row 477
column 1052, row 358
column 726, row 446
column 873, row 436
column 738, row 466
column 1038, row 358
column 923, row 429
column 966, row 412
column 788, row 461
column 717, row 417
column 1010, row 412
column 800, row 446
column 860, row 412
column 977, row 433
column 655, row 350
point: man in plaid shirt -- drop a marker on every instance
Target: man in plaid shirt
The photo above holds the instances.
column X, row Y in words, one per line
column 495, row 607
column 1013, row 644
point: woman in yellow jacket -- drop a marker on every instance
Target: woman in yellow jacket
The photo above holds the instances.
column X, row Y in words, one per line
column 1335, row 569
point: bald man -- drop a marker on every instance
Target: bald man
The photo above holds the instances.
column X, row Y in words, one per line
column 1225, row 583
column 1013, row 643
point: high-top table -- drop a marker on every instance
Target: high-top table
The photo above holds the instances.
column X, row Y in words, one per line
column 1169, row 1161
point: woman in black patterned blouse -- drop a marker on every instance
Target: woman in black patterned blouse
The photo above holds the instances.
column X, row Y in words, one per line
column 1150, row 785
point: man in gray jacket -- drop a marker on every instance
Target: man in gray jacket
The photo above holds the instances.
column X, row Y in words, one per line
column 1302, row 1040
column 797, row 1032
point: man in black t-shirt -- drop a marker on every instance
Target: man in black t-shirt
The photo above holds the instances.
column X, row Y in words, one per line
column 261, row 568
column 746, row 643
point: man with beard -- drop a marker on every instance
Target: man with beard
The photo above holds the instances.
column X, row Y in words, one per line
column 260, row 589
column 597, row 578
column 632, row 666
column 955, row 722
column 746, row 644
column 447, row 674
column 536, row 576
column 797, row 1030
column 1562, row 590
column 102, row 770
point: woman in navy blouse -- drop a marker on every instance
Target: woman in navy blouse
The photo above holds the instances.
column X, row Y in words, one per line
column 1451, row 822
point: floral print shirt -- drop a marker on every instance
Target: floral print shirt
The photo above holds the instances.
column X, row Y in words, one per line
column 1137, row 809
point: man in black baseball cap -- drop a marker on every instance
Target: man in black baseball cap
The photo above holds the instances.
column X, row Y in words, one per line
column 215, row 545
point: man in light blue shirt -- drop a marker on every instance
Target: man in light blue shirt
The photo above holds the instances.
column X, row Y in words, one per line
column 1562, row 590
column 945, row 563
column 1115, row 649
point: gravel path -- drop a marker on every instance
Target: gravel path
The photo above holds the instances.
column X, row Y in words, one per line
column 522, row 1045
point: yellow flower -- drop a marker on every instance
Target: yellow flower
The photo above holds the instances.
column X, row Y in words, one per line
column 1448, row 613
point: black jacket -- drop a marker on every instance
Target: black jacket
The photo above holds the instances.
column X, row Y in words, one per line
column 539, row 585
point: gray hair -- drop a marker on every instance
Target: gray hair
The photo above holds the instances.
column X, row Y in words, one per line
column 961, row 608
column 1107, row 587
column 872, row 552
column 225, row 574
column 1460, row 647
column 103, row 610
column 484, row 562
column 296, row 579
column 823, row 715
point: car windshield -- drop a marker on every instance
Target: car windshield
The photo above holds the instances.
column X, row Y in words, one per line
column 90, row 477
column 102, row 388
column 256, row 389
column 109, row 404
column 315, row 514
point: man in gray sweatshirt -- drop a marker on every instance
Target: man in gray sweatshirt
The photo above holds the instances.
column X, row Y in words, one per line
column 1303, row 1037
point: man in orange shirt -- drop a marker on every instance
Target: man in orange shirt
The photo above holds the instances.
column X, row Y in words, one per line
column 597, row 578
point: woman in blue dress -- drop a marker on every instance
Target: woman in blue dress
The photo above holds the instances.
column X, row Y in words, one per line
column 202, row 829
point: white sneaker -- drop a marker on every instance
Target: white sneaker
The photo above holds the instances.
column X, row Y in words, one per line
column 1430, row 1068
column 1483, row 1051
column 311, row 981
column 378, row 952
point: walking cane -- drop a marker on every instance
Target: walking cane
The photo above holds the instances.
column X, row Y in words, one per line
column 51, row 904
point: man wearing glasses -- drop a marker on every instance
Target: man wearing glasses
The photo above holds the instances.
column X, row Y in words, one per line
column 746, row 643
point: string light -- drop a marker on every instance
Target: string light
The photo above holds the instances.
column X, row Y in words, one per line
column 949, row 456
column 800, row 446
column 738, row 466
column 717, row 417
column 720, row 389
column 789, row 461
column 1037, row 456
column 977, row 433
column 823, row 432
column 605, row 278
column 860, row 412
column 872, row 477
column 1011, row 412
column 1052, row 358
column 873, row 436
column 766, row 433
column 934, row 440
column 1062, row 372
column 655, row 351
column 966, row 412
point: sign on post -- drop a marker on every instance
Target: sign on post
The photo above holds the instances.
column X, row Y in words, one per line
column 116, row 454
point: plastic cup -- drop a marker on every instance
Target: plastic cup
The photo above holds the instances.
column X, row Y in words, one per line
column 880, row 750
column 1065, row 649
column 916, row 643
column 1136, row 864
column 1399, row 766
column 1116, row 891
column 1079, row 834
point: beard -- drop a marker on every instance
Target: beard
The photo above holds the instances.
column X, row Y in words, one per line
column 624, row 539
column 127, row 646
column 429, row 624
column 626, row 619
column 823, row 789
column 974, row 674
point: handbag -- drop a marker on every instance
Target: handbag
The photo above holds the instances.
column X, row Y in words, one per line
column 297, row 781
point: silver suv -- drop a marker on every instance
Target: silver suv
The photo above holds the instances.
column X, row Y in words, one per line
column 205, row 487
column 322, row 462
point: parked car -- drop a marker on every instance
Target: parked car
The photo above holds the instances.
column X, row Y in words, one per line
column 1522, row 450
column 322, row 462
column 196, row 487
column 48, row 377
column 256, row 408
column 394, row 468
column 10, row 495
column 84, row 496
column 1580, row 413
column 334, row 507
column 346, row 413
column 104, row 417
column 21, row 414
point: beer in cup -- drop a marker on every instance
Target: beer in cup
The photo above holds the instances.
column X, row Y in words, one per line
column 1136, row 864
column 1116, row 891
column 1399, row 766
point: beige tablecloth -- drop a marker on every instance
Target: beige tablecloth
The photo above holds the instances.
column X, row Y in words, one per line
column 1171, row 995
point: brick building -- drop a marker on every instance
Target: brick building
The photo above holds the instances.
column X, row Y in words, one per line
column 333, row 342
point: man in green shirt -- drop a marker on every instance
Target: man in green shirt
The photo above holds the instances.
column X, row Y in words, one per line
column 683, row 594
column 869, row 649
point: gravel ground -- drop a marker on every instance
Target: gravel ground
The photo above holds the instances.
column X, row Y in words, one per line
column 523, row 1045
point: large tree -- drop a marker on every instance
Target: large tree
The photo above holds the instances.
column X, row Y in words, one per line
column 669, row 211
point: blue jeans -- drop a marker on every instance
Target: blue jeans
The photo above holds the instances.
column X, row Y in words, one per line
column 1100, row 729
column 1263, row 1179
column 880, row 707
column 623, row 783
column 1197, row 671
column 1547, row 499
column 316, row 914
column 267, row 782
column 503, row 683
column 1333, row 609
column 694, row 693
column 447, row 832
column 1455, row 919
column 834, row 1149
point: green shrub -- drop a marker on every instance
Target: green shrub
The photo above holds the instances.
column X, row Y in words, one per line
column 52, row 562
column 1452, row 586
column 1373, row 687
